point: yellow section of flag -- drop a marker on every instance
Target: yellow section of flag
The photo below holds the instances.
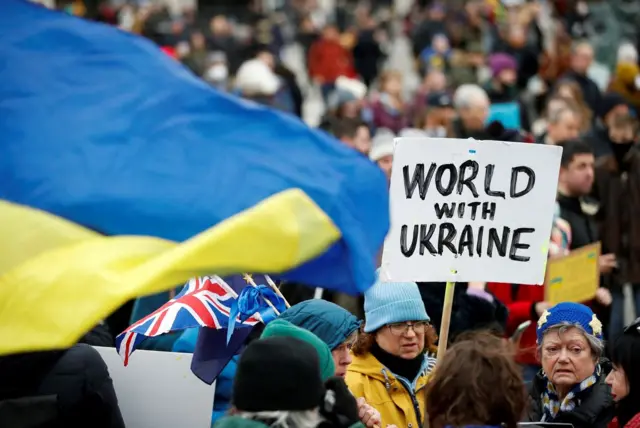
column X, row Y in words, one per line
column 58, row 279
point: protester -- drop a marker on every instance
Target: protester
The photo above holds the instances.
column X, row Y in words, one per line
column 570, row 90
column 575, row 182
column 614, row 123
column 216, row 71
column 328, row 60
column 367, row 53
column 472, row 108
column 563, row 124
column 617, row 186
column 389, row 109
column 554, row 104
column 337, row 328
column 257, row 81
column 477, row 384
column 502, row 87
column 581, row 59
column 626, row 82
column 186, row 343
column 382, row 150
column 353, row 133
column 434, row 81
column 196, row 59
column 571, row 388
column 390, row 368
column 68, row 388
column 624, row 378
column 438, row 115
column 267, row 390
column 437, row 56
column 334, row 325
column 346, row 101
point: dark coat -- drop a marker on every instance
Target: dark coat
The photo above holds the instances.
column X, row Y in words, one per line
column 61, row 388
column 469, row 312
column 595, row 411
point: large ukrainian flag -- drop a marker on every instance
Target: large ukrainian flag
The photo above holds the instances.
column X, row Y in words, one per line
column 122, row 175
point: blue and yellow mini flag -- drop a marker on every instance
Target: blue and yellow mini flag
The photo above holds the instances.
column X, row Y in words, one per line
column 122, row 174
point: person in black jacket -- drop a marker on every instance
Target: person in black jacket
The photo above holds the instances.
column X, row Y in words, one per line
column 575, row 183
column 58, row 389
column 581, row 60
column 473, row 309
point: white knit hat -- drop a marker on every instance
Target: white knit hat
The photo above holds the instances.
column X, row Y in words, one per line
column 254, row 77
column 382, row 144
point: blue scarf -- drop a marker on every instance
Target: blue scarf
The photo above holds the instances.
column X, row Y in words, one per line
column 551, row 403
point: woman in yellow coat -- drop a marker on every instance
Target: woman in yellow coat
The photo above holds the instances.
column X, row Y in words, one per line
column 390, row 365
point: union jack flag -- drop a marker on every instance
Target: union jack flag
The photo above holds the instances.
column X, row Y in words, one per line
column 203, row 302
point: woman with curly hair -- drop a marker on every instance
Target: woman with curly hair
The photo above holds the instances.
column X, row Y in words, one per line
column 477, row 384
column 391, row 362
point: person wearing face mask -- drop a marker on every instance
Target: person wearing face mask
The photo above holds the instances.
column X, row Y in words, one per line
column 438, row 116
column 217, row 71
column 617, row 186
column 624, row 379
column 502, row 87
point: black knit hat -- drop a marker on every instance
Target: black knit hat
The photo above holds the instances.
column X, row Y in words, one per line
column 608, row 102
column 278, row 373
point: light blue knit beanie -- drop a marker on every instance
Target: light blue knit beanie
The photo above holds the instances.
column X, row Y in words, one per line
column 391, row 302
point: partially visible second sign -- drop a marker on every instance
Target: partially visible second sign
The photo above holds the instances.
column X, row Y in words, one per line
column 483, row 209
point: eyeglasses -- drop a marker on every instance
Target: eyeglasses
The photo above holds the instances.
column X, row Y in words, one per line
column 402, row 328
column 633, row 327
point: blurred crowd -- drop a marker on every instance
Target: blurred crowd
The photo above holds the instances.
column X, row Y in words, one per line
column 559, row 72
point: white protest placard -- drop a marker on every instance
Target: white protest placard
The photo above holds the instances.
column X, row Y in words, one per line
column 158, row 389
column 468, row 210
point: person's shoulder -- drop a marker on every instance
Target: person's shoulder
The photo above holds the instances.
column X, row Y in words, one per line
column 81, row 358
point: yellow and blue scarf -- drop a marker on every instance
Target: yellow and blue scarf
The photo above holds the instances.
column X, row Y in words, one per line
column 551, row 403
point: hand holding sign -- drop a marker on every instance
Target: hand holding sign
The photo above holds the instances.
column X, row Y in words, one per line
column 481, row 208
column 607, row 263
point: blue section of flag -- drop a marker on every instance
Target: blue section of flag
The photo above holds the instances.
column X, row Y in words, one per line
column 100, row 127
column 214, row 349
column 262, row 300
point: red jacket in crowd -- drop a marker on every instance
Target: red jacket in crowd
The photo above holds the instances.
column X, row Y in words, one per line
column 328, row 60
column 520, row 301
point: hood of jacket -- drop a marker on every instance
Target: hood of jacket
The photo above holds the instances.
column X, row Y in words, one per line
column 238, row 422
column 330, row 322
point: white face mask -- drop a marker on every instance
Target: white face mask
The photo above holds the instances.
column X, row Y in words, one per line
column 217, row 73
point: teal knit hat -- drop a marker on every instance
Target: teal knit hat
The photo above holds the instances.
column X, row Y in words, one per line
column 391, row 302
column 280, row 328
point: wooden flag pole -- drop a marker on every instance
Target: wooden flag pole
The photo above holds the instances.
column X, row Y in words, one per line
column 443, row 338
column 276, row 289
column 251, row 282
